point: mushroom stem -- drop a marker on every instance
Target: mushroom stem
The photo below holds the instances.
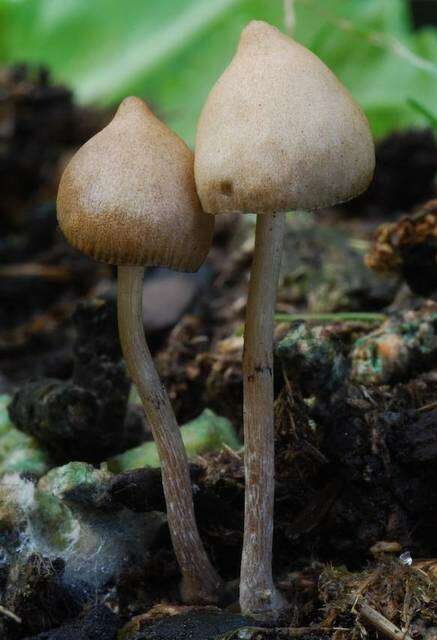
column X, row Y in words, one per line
column 200, row 583
column 257, row 591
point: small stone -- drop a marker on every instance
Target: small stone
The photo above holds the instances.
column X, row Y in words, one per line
column 167, row 295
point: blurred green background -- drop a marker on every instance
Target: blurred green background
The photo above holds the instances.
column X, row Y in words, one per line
column 171, row 51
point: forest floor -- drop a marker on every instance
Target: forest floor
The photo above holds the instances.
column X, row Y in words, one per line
column 84, row 547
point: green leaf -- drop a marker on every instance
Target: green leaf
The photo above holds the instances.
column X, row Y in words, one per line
column 171, row 52
column 371, row 46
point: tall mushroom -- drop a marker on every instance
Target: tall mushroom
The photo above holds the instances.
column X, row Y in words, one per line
column 278, row 132
column 128, row 198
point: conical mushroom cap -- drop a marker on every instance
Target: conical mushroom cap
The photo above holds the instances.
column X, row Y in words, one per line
column 279, row 132
column 128, row 196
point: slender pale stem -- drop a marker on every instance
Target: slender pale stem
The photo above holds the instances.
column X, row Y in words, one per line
column 200, row 581
column 257, row 591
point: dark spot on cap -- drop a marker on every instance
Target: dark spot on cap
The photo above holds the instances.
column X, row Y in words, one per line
column 226, row 187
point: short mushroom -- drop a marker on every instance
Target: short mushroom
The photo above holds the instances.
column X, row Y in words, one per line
column 278, row 132
column 128, row 198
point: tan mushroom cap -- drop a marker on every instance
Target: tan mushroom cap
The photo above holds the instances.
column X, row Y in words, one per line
column 279, row 132
column 128, row 196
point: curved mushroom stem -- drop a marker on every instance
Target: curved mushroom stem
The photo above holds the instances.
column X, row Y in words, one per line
column 257, row 591
column 200, row 582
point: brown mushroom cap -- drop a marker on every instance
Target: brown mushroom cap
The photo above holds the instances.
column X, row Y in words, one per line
column 279, row 132
column 128, row 196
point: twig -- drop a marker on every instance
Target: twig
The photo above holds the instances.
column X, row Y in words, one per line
column 427, row 407
column 425, row 564
column 380, row 622
column 346, row 316
column 35, row 270
column 9, row 614
column 232, row 452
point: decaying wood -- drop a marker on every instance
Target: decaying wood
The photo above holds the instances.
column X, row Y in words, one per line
column 380, row 622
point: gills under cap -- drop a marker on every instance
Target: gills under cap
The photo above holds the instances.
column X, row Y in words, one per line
column 279, row 132
column 128, row 196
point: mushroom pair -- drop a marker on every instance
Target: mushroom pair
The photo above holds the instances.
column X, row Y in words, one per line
column 277, row 132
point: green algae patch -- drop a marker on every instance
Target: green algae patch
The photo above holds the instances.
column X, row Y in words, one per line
column 19, row 453
column 207, row 432
column 75, row 481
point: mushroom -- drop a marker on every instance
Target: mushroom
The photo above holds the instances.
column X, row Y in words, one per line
column 278, row 132
column 128, row 198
